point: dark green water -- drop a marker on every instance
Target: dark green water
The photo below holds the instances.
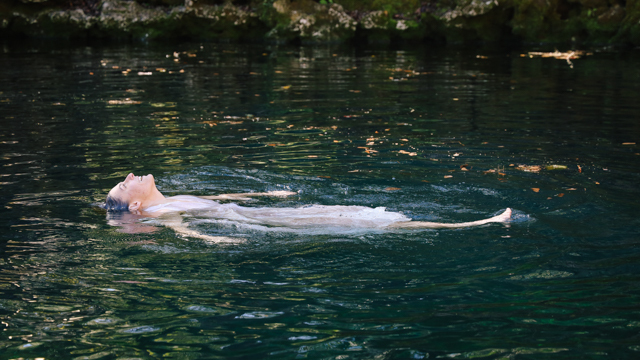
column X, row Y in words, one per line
column 374, row 127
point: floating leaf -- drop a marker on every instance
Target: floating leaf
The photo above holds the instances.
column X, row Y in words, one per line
column 392, row 189
column 556, row 167
column 126, row 101
column 529, row 168
column 448, row 176
column 535, row 189
column 567, row 56
column 167, row 104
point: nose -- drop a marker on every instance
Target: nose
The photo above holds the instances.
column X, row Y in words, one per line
column 129, row 177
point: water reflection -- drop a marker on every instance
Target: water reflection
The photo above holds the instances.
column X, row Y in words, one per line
column 129, row 223
column 432, row 133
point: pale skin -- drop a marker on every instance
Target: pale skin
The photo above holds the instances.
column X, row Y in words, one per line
column 141, row 193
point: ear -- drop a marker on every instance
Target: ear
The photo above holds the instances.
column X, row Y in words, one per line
column 134, row 206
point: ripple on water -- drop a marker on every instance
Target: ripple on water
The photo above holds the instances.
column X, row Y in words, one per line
column 102, row 321
column 303, row 338
column 259, row 315
column 30, row 345
column 208, row 309
column 140, row 330
column 543, row 274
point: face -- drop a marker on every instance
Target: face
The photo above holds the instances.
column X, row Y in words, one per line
column 134, row 190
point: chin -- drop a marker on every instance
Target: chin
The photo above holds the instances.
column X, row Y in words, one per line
column 149, row 179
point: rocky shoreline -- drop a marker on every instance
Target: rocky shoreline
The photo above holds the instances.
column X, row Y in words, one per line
column 308, row 21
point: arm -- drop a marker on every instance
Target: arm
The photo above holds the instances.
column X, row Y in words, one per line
column 174, row 221
column 504, row 217
column 247, row 196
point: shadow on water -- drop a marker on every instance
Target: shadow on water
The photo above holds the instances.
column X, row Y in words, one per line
column 437, row 134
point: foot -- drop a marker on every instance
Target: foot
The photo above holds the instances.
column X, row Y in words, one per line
column 504, row 217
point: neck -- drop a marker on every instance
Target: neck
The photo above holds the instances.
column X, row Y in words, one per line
column 155, row 198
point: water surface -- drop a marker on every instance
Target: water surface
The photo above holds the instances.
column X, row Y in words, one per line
column 437, row 134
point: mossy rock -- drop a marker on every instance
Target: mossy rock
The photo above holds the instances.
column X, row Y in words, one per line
column 309, row 22
column 168, row 3
column 475, row 20
column 226, row 23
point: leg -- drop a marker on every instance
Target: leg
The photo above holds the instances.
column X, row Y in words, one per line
column 504, row 217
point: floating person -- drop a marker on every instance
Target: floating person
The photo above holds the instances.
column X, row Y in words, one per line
column 139, row 197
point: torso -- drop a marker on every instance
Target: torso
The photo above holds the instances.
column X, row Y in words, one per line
column 182, row 203
column 306, row 216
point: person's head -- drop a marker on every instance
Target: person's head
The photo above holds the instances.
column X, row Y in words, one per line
column 135, row 193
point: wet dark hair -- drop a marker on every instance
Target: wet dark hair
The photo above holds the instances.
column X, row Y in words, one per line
column 115, row 204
